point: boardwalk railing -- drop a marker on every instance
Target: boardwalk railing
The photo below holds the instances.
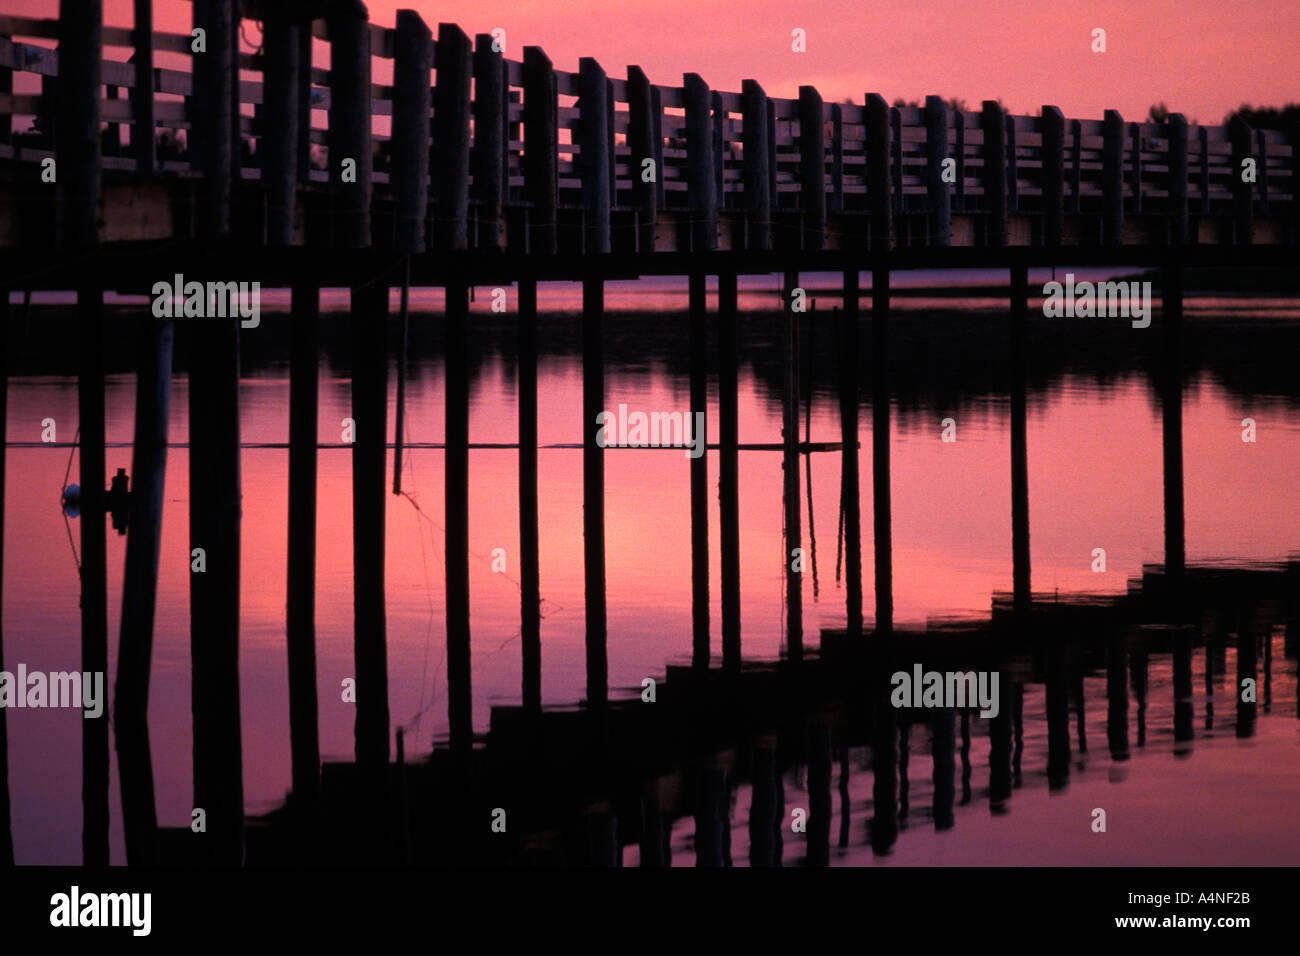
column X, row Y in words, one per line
column 549, row 160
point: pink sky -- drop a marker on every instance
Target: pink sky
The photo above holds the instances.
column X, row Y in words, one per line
column 1202, row 57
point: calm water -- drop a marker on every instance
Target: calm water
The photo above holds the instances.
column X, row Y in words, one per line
column 1095, row 481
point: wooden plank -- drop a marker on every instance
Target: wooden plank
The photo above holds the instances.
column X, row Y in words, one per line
column 412, row 103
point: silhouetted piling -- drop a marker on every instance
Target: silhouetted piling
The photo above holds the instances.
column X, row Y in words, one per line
column 6, row 834
column 1138, row 678
column 1117, row 694
column 765, row 816
column 1000, row 747
column 460, row 705
column 793, row 555
column 529, row 562
column 729, row 469
column 884, row 769
column 1246, row 670
column 880, row 431
column 819, row 791
column 849, row 474
column 1171, row 405
column 139, row 592
column 1183, row 705
column 1022, row 596
column 213, row 105
column 699, row 390
column 300, row 594
column 656, row 827
column 942, row 745
column 593, row 489
column 142, row 109
column 278, row 145
column 1058, row 714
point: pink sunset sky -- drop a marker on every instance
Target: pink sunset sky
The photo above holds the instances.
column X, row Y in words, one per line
column 1201, row 57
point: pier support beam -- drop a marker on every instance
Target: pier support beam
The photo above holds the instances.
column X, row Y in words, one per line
column 880, row 451
column 300, row 598
column 849, row 467
column 530, row 597
column 1171, row 406
column 790, row 465
column 139, row 591
column 6, row 834
column 699, row 387
column 456, row 519
column 729, row 470
column 593, row 489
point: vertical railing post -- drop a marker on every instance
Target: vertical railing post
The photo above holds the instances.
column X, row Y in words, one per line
column 878, row 153
column 1243, row 217
column 488, row 157
column 729, row 470
column 529, row 565
column 1076, row 164
column 279, row 142
column 1112, row 178
column 849, row 480
column 837, row 158
column 451, row 142
column 142, row 111
column 938, row 197
column 812, row 168
column 540, row 150
column 593, row 490
column 699, row 398
column 412, row 101
column 351, row 162
column 755, row 148
column 1176, row 132
column 993, row 123
column 1053, row 177
column 640, row 141
column 701, row 193
column 593, row 157
column 210, row 134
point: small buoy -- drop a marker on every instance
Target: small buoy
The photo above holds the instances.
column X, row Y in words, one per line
column 71, row 501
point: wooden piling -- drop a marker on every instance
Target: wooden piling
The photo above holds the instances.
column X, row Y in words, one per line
column 1117, row 694
column 1135, row 167
column 849, row 468
column 593, row 490
column 1176, row 132
column 488, row 158
column 699, row 388
column 540, row 150
column 729, row 470
column 755, row 148
column 6, row 833
column 350, row 135
column 300, row 592
column 451, row 140
column 640, row 141
column 717, row 148
column 1184, row 714
column 812, row 168
column 139, row 591
column 142, row 109
column 94, row 569
column 78, row 146
column 1019, row 448
column 993, row 125
column 701, row 194
column 836, row 200
column 880, row 451
column 1013, row 170
column 530, row 597
column 1171, row 433
column 790, row 468
column 278, row 147
column 819, row 791
column 1112, row 178
column 766, row 816
column 943, row 742
column 877, row 145
column 593, row 157
column 1246, row 668
column 1076, row 164
column 412, row 101
column 456, row 519
column 306, row 46
column 214, row 92
column 938, row 196
column 1053, row 181
column 1243, row 216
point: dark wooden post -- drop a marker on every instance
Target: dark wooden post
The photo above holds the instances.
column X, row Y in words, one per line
column 6, row 833
column 306, row 45
column 959, row 149
column 719, row 148
column 451, row 142
column 279, row 143
column 139, row 590
column 593, row 158
column 213, row 113
column 142, row 132
column 766, row 808
column 790, row 469
column 837, row 158
column 657, row 115
column 593, row 489
column 1135, row 171
column 1053, row 181
column 1117, row 694
column 1022, row 595
column 301, row 584
column 1171, row 404
column 755, row 149
column 78, row 145
column 1013, row 170
column 849, row 477
column 456, row 518
column 540, row 150
column 640, row 141
column 701, row 193
column 412, row 101
column 530, row 597
column 1176, row 131
column 1112, row 178
column 1243, row 218
column 350, row 123
column 880, row 474
column 877, row 132
column 699, row 387
column 729, row 470
column 812, row 168
column 771, row 155
column 993, row 123
column 1261, row 179
column 1247, row 667
column 1076, row 164
column 819, row 791
column 488, row 157
column 938, row 196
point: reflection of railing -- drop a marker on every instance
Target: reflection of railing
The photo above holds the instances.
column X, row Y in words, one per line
column 521, row 153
